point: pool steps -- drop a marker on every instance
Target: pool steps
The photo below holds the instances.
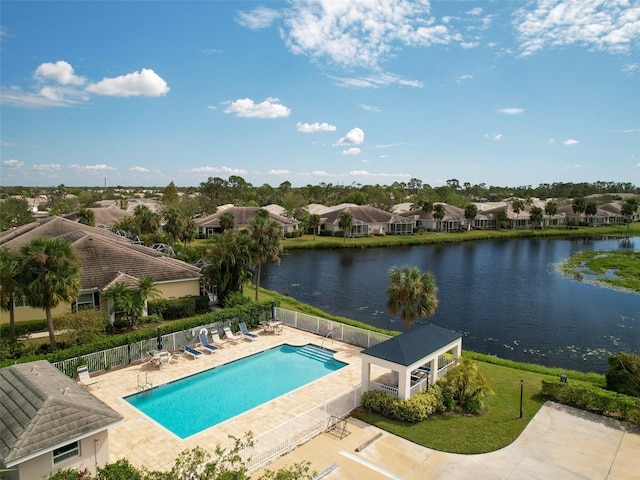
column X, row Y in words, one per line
column 317, row 353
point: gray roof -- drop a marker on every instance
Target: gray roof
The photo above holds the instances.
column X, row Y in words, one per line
column 414, row 345
column 103, row 255
column 362, row 213
column 242, row 216
column 41, row 409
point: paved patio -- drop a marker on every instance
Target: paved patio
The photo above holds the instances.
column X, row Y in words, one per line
column 145, row 443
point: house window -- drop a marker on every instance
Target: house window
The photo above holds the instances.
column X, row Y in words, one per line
column 85, row 301
column 63, row 454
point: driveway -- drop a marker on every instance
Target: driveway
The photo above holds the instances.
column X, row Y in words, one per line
column 560, row 442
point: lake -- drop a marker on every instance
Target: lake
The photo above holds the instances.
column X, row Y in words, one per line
column 504, row 296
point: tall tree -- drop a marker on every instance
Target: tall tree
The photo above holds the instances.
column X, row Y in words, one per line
column 438, row 214
column 629, row 207
column 87, row 217
column 517, row 204
column 227, row 221
column 578, row 206
column 467, row 380
column 230, row 258
column 10, row 285
column 265, row 234
column 51, row 274
column 470, row 213
column 345, row 222
column 412, row 293
column 314, row 221
column 14, row 212
column 536, row 216
column 591, row 209
column 551, row 209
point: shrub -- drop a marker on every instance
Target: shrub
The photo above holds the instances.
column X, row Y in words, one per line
column 234, row 299
column 623, row 375
column 174, row 308
column 119, row 470
column 415, row 409
column 594, row 399
column 24, row 328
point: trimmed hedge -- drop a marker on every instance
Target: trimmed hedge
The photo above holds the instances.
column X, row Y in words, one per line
column 252, row 314
column 24, row 328
column 415, row 409
column 594, row 399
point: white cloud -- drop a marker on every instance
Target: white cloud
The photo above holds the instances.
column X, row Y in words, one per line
column 226, row 170
column 320, row 173
column 258, row 18
column 139, row 169
column 606, row 25
column 47, row 167
column 366, row 174
column 13, row 163
column 143, row 83
column 48, row 96
column 370, row 108
column 551, row 141
column 61, row 72
column 211, row 107
column 493, row 136
column 315, row 127
column 361, row 33
column 355, row 136
column 211, row 51
column 279, row 172
column 247, row 108
column 511, row 111
column 572, row 167
column 570, row 142
column 463, row 78
column 90, row 168
column 352, row 151
column 375, row 80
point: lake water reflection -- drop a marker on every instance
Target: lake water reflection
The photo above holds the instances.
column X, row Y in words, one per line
column 505, row 297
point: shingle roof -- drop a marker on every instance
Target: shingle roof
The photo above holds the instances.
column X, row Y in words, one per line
column 412, row 346
column 242, row 216
column 363, row 213
column 103, row 255
column 41, row 408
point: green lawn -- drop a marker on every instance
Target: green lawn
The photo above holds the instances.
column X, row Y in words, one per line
column 497, row 427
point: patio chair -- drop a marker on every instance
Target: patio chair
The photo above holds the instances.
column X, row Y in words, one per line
column 192, row 352
column 244, row 331
column 163, row 358
column 231, row 336
column 204, row 343
column 216, row 340
column 85, row 378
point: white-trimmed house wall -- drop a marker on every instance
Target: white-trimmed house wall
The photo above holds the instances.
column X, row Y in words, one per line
column 94, row 452
column 404, row 372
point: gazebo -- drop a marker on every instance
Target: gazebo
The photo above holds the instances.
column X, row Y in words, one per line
column 416, row 358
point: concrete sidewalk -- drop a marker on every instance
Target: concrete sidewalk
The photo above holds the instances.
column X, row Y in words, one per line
column 560, row 442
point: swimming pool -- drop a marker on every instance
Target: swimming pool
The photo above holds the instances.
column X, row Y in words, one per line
column 195, row 403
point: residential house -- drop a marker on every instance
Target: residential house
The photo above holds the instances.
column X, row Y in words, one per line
column 49, row 423
column 106, row 259
column 453, row 220
column 210, row 224
column 366, row 220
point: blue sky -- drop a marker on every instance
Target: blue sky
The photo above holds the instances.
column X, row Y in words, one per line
column 344, row 92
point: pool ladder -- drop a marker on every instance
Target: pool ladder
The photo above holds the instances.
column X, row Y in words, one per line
column 146, row 385
column 330, row 334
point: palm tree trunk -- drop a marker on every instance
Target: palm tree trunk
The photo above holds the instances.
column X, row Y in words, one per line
column 258, row 270
column 52, row 334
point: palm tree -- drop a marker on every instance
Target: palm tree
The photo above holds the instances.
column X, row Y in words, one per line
column 591, row 209
column 551, row 209
column 51, row 274
column 10, row 285
column 536, row 216
column 227, row 221
column 470, row 213
column 345, row 222
column 468, row 381
column 517, row 205
column 629, row 207
column 314, row 221
column 412, row 293
column 231, row 261
column 87, row 217
column 265, row 234
column 578, row 206
column 146, row 290
column 438, row 214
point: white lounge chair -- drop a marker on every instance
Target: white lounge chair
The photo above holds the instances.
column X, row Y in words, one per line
column 244, row 331
column 205, row 343
column 85, row 378
column 216, row 340
column 230, row 335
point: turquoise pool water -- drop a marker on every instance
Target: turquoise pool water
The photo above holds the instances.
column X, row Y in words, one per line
column 200, row 401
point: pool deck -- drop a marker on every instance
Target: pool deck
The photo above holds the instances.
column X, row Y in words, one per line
column 146, row 443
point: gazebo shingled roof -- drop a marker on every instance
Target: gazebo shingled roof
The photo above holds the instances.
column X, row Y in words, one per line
column 409, row 347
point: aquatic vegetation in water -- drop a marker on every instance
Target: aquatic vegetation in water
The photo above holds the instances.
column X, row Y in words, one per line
column 619, row 270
